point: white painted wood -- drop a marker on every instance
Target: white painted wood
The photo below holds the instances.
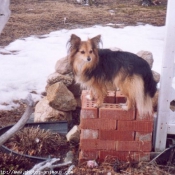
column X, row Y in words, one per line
column 167, row 73
column 4, row 13
column 171, row 129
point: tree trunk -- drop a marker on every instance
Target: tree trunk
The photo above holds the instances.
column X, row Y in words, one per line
column 146, row 2
column 90, row 2
column 4, row 13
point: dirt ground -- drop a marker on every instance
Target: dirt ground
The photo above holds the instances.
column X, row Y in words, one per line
column 38, row 17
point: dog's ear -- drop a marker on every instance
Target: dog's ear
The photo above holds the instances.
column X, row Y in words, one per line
column 74, row 42
column 96, row 40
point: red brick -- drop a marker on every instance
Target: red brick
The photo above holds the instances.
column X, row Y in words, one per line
column 89, row 134
column 141, row 156
column 133, row 146
column 145, row 118
column 86, row 103
column 124, row 155
column 96, row 144
column 142, row 126
column 114, row 111
column 88, row 155
column 89, row 112
column 116, row 135
column 110, row 98
column 143, row 136
column 106, row 124
column 119, row 155
column 120, row 98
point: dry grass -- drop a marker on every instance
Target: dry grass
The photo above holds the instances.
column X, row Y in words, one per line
column 36, row 17
column 37, row 142
column 115, row 167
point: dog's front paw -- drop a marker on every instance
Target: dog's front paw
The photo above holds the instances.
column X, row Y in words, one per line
column 97, row 105
column 125, row 107
column 89, row 97
column 122, row 104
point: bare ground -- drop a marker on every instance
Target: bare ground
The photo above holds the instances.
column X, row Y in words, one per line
column 37, row 17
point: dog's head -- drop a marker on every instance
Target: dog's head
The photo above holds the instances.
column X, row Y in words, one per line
column 83, row 51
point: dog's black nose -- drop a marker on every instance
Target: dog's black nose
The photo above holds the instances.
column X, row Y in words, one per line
column 88, row 58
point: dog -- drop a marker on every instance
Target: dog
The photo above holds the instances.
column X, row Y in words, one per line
column 95, row 68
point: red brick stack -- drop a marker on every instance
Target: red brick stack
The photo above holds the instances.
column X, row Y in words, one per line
column 111, row 131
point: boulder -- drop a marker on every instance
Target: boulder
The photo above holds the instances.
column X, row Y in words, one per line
column 67, row 79
column 155, row 101
column 115, row 49
column 73, row 136
column 60, row 97
column 44, row 112
column 62, row 66
column 146, row 55
column 156, row 76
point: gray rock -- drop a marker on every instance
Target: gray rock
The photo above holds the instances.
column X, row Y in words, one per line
column 156, row 76
column 146, row 55
column 115, row 49
column 57, row 77
column 60, row 97
column 44, row 112
column 62, row 66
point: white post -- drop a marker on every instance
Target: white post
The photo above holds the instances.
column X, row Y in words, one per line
column 167, row 73
column 4, row 13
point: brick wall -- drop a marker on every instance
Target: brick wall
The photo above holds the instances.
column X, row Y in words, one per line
column 111, row 131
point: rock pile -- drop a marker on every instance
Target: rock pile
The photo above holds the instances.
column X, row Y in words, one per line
column 62, row 95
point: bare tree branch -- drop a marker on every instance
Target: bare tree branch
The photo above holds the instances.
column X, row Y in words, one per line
column 20, row 124
column 50, row 163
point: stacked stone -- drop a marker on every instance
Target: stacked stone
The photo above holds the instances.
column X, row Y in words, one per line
column 62, row 95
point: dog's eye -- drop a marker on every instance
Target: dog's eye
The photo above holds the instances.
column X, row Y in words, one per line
column 90, row 51
column 82, row 52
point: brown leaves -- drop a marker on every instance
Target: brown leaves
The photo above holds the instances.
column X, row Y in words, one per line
column 37, row 142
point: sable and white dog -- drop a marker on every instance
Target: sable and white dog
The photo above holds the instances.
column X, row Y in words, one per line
column 94, row 68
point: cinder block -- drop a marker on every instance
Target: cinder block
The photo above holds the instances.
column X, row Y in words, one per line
column 140, row 126
column 110, row 98
column 114, row 111
column 89, row 134
column 120, row 98
column 116, row 135
column 96, row 144
column 101, row 124
column 145, row 118
column 143, row 136
column 133, row 146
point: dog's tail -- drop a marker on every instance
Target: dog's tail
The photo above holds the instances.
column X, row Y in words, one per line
column 143, row 100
